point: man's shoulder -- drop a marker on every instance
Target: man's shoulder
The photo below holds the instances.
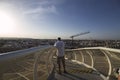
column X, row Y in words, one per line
column 59, row 42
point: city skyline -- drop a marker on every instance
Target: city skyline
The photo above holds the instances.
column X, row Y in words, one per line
column 49, row 19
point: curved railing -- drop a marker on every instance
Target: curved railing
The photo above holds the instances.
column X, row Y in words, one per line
column 103, row 60
column 29, row 64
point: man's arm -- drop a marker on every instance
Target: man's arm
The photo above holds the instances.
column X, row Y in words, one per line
column 55, row 44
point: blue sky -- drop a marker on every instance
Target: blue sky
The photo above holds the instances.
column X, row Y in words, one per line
column 52, row 18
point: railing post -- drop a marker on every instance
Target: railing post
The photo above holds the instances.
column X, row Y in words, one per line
column 52, row 75
column 92, row 61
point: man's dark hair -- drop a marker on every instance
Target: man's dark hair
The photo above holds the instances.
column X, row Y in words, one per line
column 59, row 38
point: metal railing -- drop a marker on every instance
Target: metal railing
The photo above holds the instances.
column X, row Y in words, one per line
column 29, row 64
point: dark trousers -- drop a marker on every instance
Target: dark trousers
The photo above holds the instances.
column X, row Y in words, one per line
column 59, row 61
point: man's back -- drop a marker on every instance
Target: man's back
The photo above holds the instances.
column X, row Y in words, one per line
column 60, row 46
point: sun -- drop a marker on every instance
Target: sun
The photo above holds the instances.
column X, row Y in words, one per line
column 7, row 23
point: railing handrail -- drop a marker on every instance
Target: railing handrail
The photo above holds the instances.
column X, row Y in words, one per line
column 102, row 48
column 20, row 53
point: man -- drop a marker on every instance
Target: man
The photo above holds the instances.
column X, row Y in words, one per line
column 60, row 54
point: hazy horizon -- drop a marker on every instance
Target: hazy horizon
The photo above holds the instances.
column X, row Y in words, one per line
column 52, row 38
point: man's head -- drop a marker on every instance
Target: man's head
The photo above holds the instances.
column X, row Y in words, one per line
column 59, row 38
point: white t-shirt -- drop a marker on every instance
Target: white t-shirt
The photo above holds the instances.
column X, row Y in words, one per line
column 60, row 48
column 119, row 71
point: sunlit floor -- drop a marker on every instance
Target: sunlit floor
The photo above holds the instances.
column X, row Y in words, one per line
column 77, row 72
column 24, row 68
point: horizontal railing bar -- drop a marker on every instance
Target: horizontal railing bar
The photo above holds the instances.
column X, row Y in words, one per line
column 102, row 48
column 20, row 53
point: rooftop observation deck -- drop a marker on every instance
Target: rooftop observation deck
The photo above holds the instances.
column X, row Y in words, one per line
column 39, row 63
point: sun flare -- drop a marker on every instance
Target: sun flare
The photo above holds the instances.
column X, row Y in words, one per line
column 7, row 23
